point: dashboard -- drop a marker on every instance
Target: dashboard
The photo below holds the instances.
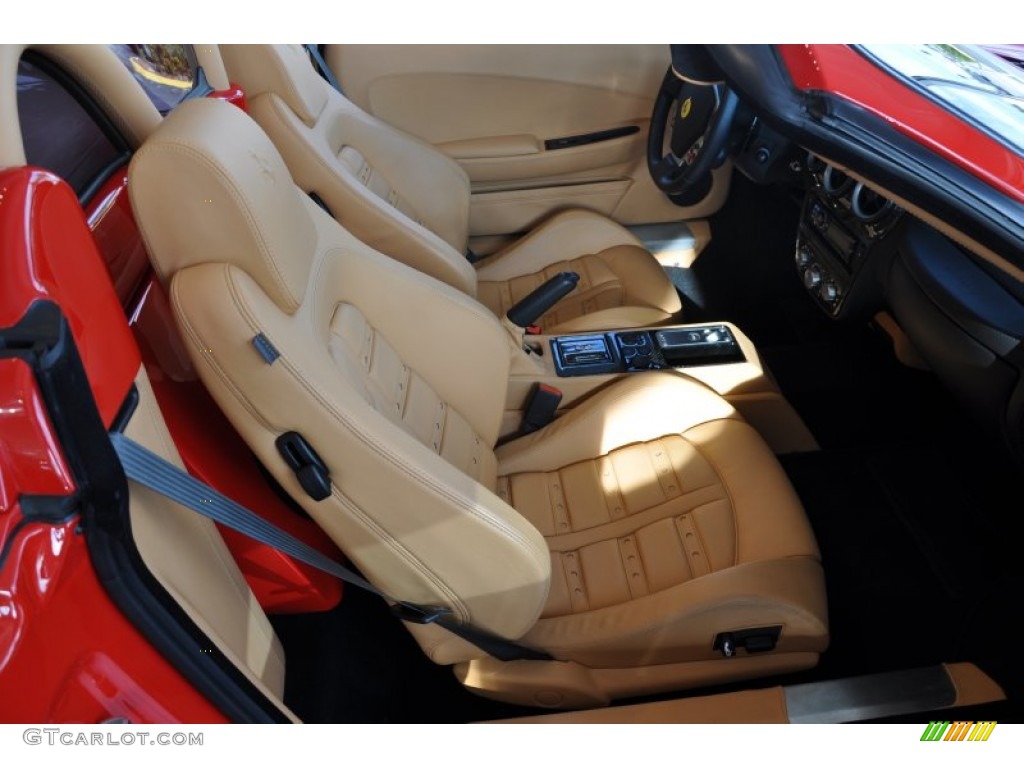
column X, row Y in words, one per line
column 845, row 240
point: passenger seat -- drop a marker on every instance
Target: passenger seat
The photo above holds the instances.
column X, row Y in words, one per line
column 411, row 202
column 648, row 540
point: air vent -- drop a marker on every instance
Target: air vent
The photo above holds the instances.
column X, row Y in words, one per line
column 869, row 206
column 835, row 182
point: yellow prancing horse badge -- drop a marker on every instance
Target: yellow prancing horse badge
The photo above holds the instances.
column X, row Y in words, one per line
column 684, row 110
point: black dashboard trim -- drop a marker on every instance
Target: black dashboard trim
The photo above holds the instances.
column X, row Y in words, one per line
column 848, row 134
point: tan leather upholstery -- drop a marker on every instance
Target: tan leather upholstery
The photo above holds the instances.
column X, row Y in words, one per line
column 399, row 380
column 410, row 201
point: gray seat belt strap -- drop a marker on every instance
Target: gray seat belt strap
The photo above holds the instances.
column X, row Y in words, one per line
column 156, row 473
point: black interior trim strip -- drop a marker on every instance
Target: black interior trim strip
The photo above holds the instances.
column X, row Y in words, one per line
column 579, row 140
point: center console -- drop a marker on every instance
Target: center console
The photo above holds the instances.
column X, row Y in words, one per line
column 843, row 240
column 718, row 355
column 644, row 350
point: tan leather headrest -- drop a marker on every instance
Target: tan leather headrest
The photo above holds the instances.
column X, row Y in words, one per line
column 281, row 69
column 208, row 186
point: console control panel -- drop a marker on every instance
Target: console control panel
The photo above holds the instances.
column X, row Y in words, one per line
column 843, row 232
column 634, row 351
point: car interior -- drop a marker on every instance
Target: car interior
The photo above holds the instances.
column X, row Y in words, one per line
column 681, row 420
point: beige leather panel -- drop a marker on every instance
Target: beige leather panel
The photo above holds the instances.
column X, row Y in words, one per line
column 501, row 89
column 390, row 190
column 636, row 409
column 188, row 557
column 767, row 706
column 287, row 73
column 230, row 199
column 400, row 393
column 519, row 210
column 98, row 70
column 418, row 225
column 465, row 95
column 209, row 58
column 568, row 685
column 679, row 624
column 566, row 235
column 972, row 685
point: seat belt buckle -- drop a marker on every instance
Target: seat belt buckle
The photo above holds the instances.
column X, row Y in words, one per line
column 540, row 408
column 533, row 330
column 418, row 614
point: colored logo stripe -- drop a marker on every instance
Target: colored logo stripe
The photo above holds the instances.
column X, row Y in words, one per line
column 942, row 730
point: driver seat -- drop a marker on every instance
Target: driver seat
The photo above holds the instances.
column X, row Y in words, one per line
column 411, row 202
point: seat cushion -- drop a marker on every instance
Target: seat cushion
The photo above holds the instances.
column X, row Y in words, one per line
column 621, row 284
column 669, row 521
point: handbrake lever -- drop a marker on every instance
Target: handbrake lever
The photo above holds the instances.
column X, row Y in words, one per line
column 527, row 310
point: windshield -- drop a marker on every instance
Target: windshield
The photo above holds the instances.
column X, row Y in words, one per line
column 982, row 87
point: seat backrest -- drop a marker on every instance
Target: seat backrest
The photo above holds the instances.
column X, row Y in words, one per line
column 397, row 380
column 391, row 190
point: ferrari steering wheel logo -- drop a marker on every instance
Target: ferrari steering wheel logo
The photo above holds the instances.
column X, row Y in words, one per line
column 685, row 107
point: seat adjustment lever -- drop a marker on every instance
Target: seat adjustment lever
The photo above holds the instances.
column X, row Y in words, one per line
column 754, row 640
column 309, row 468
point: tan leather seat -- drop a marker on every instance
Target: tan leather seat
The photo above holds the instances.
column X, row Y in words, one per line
column 623, row 538
column 410, row 201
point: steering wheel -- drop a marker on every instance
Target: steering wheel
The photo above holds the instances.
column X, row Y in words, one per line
column 689, row 136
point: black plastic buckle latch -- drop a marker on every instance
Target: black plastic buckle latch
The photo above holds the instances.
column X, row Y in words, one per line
column 419, row 614
column 541, row 408
column 309, row 468
column 755, row 640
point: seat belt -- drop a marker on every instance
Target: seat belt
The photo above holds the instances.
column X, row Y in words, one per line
column 156, row 473
column 321, row 66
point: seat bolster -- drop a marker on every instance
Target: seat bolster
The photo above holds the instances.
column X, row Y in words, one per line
column 680, row 623
column 640, row 407
column 563, row 237
column 313, row 161
column 281, row 69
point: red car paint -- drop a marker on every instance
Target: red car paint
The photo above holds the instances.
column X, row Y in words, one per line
column 103, row 668
column 234, row 95
column 841, row 70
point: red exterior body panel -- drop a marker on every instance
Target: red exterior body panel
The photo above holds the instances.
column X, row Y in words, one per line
column 67, row 651
column 840, row 70
column 113, row 226
column 65, row 648
column 234, row 95
column 49, row 253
